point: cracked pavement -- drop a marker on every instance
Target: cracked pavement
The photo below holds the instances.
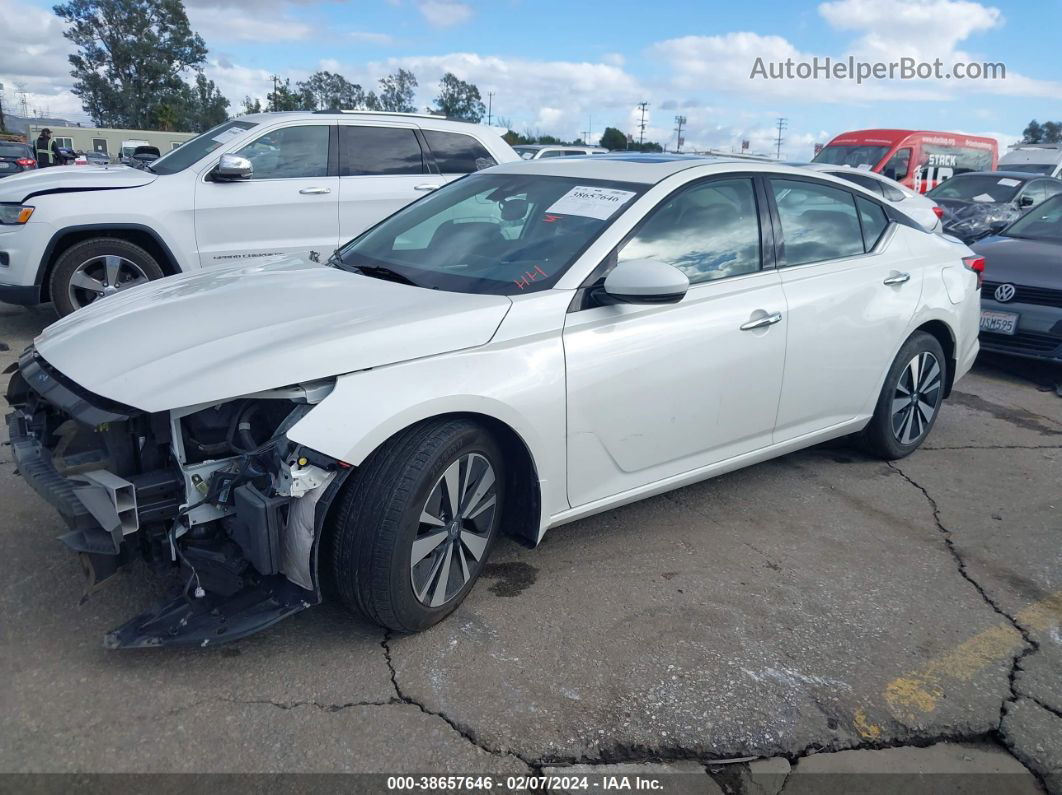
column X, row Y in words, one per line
column 808, row 610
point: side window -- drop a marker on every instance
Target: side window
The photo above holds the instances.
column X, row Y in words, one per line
column 898, row 165
column 456, row 153
column 1052, row 187
column 708, row 231
column 1037, row 190
column 289, row 153
column 873, row 220
column 818, row 221
column 378, row 151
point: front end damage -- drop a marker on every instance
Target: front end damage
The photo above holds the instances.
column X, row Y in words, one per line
column 216, row 493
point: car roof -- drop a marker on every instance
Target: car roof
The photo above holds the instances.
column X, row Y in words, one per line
column 1022, row 175
column 557, row 146
column 436, row 122
column 640, row 167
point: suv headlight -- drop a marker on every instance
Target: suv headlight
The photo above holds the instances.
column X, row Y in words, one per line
column 15, row 213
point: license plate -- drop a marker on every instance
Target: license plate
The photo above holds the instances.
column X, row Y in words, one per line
column 999, row 322
column 6, row 165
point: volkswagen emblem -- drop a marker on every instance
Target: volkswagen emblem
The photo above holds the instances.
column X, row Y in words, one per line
column 1004, row 293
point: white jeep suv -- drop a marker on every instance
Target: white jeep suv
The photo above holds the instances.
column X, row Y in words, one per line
column 252, row 189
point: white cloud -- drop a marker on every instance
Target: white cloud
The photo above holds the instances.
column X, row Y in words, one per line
column 445, row 13
column 225, row 23
column 371, row 38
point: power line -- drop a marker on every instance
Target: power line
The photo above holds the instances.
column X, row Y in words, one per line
column 641, row 125
column 783, row 123
column 679, row 122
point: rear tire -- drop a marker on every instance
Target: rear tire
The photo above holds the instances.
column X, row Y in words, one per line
column 910, row 399
column 400, row 554
column 97, row 268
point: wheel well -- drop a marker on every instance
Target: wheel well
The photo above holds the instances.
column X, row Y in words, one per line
column 139, row 237
column 942, row 333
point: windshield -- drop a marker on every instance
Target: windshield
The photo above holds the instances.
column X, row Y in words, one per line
column 199, row 147
column 1041, row 223
column 1029, row 168
column 977, row 188
column 855, row 156
column 498, row 234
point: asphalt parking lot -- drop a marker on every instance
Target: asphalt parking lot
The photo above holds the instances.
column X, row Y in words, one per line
column 809, row 605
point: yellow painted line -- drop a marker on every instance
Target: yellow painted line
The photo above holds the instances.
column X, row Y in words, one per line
column 919, row 691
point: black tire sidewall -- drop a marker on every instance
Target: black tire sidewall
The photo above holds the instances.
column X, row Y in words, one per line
column 408, row 612
column 73, row 257
column 880, row 434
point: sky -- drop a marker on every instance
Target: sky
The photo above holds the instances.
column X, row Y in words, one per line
column 564, row 68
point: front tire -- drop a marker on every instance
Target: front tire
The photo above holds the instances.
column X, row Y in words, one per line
column 910, row 399
column 416, row 524
column 97, row 268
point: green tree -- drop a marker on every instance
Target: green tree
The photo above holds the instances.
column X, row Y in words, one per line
column 328, row 91
column 286, row 98
column 131, row 57
column 396, row 92
column 550, row 140
column 1033, row 133
column 252, row 106
column 459, row 100
column 613, row 139
column 1052, row 132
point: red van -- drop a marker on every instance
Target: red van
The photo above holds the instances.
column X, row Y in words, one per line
column 918, row 159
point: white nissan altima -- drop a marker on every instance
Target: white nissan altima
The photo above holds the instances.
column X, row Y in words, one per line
column 526, row 346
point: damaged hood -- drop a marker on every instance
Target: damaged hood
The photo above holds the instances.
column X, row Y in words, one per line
column 20, row 187
column 969, row 220
column 229, row 331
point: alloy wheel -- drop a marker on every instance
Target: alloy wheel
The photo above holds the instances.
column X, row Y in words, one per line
column 916, row 398
column 102, row 276
column 454, row 528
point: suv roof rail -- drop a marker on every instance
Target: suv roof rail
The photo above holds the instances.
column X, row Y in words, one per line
column 387, row 113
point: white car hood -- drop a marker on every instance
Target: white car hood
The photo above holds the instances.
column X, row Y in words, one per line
column 224, row 332
column 21, row 187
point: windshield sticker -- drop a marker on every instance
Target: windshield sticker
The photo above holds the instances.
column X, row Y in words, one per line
column 226, row 135
column 983, row 197
column 590, row 202
column 530, row 276
column 550, row 219
column 1010, row 183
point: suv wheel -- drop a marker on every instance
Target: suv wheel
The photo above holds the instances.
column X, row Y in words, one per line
column 98, row 268
column 910, row 399
column 415, row 525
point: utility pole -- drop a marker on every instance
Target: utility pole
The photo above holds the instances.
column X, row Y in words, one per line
column 275, row 79
column 2, row 125
column 782, row 124
column 490, row 106
column 23, row 102
column 641, row 125
column 679, row 122
column 589, row 130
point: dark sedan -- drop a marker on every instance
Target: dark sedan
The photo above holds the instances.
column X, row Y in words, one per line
column 15, row 158
column 1021, row 300
column 981, row 203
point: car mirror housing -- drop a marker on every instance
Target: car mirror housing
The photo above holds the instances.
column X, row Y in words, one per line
column 1025, row 201
column 233, row 168
column 646, row 281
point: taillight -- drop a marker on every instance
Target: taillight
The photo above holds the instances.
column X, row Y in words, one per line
column 27, row 162
column 938, row 211
column 977, row 265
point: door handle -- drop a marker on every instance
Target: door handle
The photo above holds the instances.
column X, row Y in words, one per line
column 314, row 191
column 426, row 186
column 898, row 278
column 762, row 322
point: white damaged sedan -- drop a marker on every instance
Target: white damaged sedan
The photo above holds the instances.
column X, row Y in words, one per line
column 526, row 346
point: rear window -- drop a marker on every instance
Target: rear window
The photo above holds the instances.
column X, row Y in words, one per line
column 456, row 153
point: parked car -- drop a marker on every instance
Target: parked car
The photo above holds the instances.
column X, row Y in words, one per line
column 1045, row 159
column 92, row 159
column 1021, row 305
column 982, row 203
column 522, row 348
column 251, row 189
column 539, row 151
column 926, row 211
column 918, row 159
column 16, row 158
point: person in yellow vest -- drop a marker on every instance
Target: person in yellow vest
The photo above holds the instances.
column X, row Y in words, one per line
column 46, row 149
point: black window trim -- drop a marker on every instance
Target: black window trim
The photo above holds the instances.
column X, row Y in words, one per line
column 894, row 217
column 582, row 298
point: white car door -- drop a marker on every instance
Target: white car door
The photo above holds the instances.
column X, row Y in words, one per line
column 289, row 206
column 852, row 288
column 382, row 168
column 659, row 390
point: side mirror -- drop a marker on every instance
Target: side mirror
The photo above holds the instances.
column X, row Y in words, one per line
column 646, row 281
column 233, row 168
column 1026, row 201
